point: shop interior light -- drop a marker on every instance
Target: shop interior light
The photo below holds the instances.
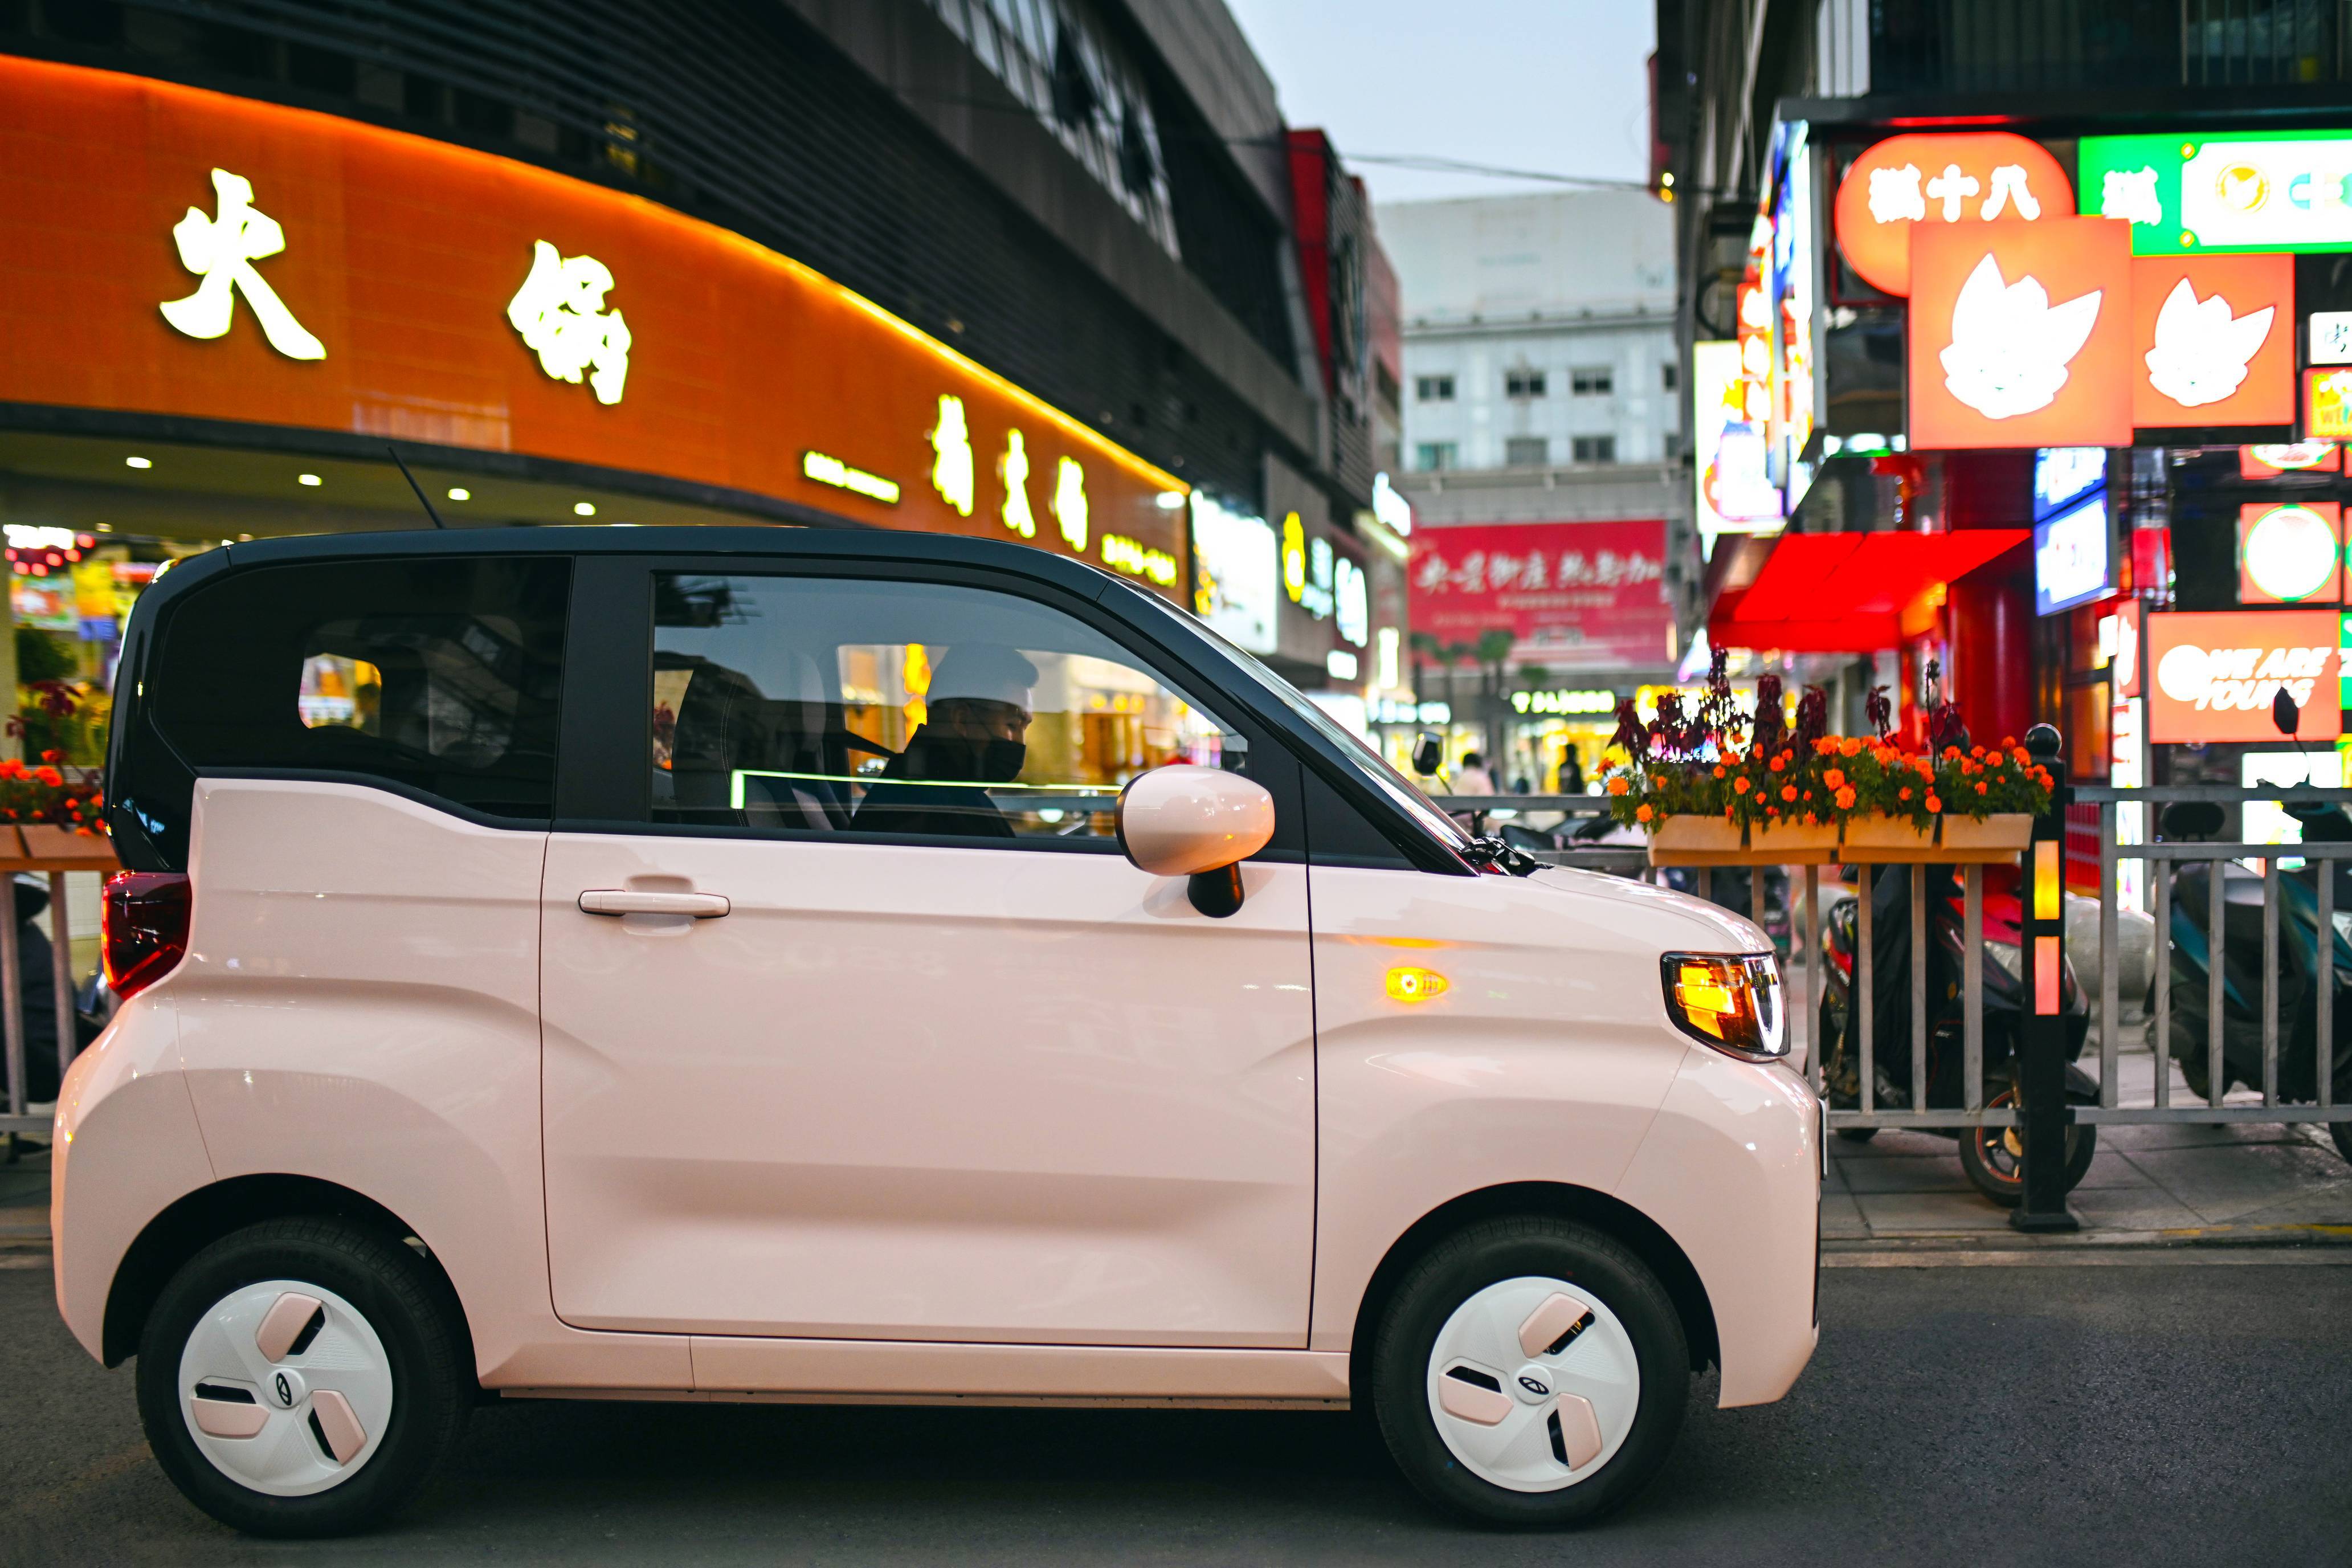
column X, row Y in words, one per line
column 1169, row 500
column 308, row 480
column 137, row 463
column 583, row 508
column 459, row 492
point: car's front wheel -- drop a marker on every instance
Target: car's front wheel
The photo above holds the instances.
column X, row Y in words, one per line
column 1529, row 1371
column 303, row 1377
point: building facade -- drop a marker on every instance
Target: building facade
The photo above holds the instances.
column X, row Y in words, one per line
column 1026, row 270
column 1923, row 477
column 1541, row 395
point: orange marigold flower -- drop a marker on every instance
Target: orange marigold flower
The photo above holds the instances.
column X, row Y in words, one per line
column 1834, row 778
column 1825, row 746
column 2024, row 758
column 1642, row 814
column 1852, row 746
column 1934, row 805
column 1845, row 800
column 1788, row 792
column 1981, row 789
column 1619, row 786
column 1906, row 792
column 1719, row 770
column 1772, row 811
column 1779, row 764
column 1740, row 786
column 1658, row 780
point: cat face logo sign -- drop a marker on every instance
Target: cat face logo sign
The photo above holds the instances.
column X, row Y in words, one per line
column 2213, row 340
column 2021, row 334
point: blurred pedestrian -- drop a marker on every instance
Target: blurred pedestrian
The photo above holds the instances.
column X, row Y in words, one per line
column 1571, row 772
column 1473, row 777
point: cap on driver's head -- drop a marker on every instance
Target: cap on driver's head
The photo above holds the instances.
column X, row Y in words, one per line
column 988, row 672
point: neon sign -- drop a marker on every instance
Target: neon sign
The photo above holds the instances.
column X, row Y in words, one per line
column 829, row 470
column 1136, row 559
column 221, row 250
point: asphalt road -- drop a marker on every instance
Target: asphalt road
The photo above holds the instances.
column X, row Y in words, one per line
column 2074, row 1415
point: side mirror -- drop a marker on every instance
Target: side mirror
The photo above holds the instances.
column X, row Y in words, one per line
column 1196, row 823
column 1428, row 754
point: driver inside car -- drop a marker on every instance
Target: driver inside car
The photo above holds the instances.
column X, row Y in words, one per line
column 974, row 733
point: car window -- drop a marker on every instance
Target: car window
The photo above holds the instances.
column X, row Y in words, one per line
column 441, row 674
column 921, row 709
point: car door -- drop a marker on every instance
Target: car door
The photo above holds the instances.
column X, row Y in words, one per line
column 857, row 1024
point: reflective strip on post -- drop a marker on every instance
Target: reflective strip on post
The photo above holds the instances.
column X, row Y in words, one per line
column 2046, row 961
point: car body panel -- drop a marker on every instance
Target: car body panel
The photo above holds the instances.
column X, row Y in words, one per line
column 926, row 1092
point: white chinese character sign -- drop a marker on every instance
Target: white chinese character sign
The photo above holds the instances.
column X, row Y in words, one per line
column 951, row 466
column 221, row 250
column 2247, row 191
column 560, row 311
column 1931, row 179
column 1580, row 593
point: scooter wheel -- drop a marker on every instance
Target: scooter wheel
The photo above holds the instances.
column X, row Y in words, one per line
column 1994, row 1157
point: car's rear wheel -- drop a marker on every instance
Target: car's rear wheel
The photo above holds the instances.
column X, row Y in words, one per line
column 1529, row 1371
column 303, row 1377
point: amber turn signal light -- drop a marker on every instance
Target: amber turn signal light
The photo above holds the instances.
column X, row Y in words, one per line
column 1729, row 1001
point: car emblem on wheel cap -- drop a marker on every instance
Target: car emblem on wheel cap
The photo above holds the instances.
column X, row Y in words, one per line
column 1536, row 1386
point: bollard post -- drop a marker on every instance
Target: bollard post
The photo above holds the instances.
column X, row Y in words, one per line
column 2044, row 1114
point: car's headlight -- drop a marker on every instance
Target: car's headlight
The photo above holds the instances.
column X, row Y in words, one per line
column 1729, row 1001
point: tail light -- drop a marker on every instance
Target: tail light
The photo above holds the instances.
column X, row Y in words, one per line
column 143, row 931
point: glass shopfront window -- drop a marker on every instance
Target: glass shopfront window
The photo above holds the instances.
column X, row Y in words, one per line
column 826, row 705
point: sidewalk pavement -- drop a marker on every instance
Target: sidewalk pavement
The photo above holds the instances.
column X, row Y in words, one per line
column 25, row 1212
column 2282, row 1183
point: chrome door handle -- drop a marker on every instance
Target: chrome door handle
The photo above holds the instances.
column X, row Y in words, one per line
column 623, row 901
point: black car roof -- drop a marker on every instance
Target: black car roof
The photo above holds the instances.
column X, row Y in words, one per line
column 849, row 543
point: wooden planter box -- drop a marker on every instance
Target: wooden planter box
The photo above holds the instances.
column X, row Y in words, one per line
column 44, row 846
column 1717, row 841
column 1867, row 841
column 1894, row 841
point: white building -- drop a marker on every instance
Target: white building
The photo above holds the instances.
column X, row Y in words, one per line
column 1539, row 331
column 1542, row 384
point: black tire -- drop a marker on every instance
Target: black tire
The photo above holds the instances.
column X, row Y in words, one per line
column 431, row 1371
column 1857, row 1134
column 1509, row 1248
column 1992, row 1160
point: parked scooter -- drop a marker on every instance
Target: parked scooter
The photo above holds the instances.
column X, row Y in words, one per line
column 2190, row 1039
column 1993, row 1157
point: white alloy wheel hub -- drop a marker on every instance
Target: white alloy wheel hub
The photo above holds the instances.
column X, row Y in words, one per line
column 1533, row 1385
column 286, row 1389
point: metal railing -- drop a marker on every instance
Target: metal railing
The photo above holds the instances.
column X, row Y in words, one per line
column 2162, row 1103
column 18, row 1119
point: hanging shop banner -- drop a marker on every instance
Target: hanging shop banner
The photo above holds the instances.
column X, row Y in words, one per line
column 2021, row 334
column 2064, row 475
column 1579, row 593
column 178, row 252
column 2297, row 457
column 2212, row 341
column 1921, row 182
column 2215, row 674
column 2074, row 557
column 2291, row 553
column 1735, row 496
column 2246, row 191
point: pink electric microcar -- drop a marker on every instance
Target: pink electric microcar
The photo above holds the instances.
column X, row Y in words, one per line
column 815, row 967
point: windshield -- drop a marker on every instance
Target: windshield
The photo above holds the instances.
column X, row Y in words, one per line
column 1369, row 764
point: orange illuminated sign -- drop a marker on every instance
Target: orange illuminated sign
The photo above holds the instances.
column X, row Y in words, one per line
column 2020, row 334
column 1945, row 180
column 2297, row 458
column 177, row 252
column 2214, row 675
column 2213, row 340
column 2290, row 552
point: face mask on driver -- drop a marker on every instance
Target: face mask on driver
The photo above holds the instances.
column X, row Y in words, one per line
column 1000, row 761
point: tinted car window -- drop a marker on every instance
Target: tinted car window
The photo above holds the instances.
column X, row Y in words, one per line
column 438, row 674
column 833, row 705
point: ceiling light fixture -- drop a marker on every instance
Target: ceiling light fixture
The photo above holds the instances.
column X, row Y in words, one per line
column 307, row 480
column 137, row 463
column 583, row 508
column 459, row 492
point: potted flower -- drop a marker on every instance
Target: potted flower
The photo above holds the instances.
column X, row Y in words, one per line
column 60, row 809
column 1714, row 785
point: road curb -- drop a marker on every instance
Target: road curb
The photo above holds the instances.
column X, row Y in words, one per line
column 2309, row 1244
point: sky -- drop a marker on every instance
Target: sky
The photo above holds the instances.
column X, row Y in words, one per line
column 1558, row 86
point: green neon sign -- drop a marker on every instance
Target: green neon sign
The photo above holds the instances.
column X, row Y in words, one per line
column 2237, row 190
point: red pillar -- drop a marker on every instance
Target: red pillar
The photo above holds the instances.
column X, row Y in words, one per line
column 1991, row 675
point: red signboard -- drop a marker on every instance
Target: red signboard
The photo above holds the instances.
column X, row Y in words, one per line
column 2299, row 458
column 1583, row 592
column 2290, row 552
column 2214, row 675
column 2213, row 340
column 2022, row 334
column 1962, row 180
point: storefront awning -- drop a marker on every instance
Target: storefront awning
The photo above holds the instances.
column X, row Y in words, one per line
column 1847, row 592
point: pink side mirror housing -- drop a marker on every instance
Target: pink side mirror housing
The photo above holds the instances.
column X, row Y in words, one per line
column 1183, row 819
